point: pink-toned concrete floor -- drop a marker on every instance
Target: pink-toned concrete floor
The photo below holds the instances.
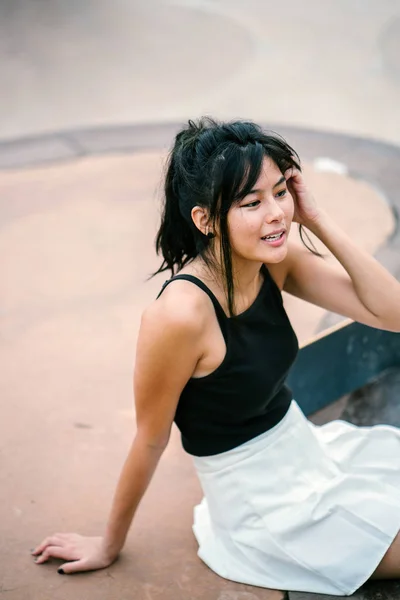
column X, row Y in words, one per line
column 76, row 246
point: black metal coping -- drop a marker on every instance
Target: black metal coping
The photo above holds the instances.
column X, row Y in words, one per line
column 341, row 361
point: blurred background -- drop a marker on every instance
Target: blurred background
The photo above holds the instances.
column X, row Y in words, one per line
column 330, row 64
column 91, row 95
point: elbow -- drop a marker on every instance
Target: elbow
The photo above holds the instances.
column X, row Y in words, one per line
column 392, row 326
column 154, row 442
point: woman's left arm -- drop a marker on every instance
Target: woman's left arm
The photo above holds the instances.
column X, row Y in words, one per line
column 363, row 290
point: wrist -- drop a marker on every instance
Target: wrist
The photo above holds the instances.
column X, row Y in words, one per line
column 317, row 223
column 111, row 549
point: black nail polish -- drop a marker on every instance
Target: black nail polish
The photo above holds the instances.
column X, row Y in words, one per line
column 61, row 571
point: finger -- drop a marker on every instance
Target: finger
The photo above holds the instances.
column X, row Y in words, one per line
column 291, row 188
column 77, row 566
column 293, row 173
column 52, row 552
column 49, row 541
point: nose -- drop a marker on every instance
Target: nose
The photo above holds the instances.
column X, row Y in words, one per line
column 274, row 212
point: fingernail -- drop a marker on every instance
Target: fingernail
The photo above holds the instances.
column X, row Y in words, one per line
column 61, row 571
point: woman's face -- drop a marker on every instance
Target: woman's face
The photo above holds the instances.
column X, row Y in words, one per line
column 259, row 224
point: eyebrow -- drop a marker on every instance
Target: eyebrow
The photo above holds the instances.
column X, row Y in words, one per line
column 257, row 190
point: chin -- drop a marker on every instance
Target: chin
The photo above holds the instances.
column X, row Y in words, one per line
column 269, row 256
column 276, row 256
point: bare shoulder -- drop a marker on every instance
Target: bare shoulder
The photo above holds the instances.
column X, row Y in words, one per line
column 169, row 345
column 181, row 307
column 171, row 339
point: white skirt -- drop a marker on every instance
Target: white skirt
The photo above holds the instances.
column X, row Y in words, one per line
column 301, row 507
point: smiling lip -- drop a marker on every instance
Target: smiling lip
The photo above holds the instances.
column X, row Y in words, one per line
column 277, row 232
column 278, row 241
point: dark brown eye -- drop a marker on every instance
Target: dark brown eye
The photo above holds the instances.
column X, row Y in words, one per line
column 251, row 204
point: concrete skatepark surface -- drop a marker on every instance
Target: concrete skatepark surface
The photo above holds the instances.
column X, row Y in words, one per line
column 331, row 65
column 76, row 244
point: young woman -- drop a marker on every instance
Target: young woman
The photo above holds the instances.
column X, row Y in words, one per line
column 287, row 505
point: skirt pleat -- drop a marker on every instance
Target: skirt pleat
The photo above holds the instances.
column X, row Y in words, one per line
column 301, row 507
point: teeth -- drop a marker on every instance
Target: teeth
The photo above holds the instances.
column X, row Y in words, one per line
column 273, row 237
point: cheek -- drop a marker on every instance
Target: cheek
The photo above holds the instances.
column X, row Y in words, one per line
column 241, row 224
column 242, row 234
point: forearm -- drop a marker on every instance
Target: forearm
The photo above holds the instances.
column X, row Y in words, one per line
column 136, row 474
column 375, row 287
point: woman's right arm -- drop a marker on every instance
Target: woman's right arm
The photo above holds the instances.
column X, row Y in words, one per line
column 168, row 349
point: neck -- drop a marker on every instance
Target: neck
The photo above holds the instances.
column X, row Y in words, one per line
column 246, row 278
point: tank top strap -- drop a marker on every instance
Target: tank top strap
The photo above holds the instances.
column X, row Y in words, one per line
column 221, row 316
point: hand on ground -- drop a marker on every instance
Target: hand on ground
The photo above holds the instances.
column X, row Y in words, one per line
column 81, row 553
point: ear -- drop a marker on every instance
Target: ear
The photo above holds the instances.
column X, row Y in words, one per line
column 200, row 218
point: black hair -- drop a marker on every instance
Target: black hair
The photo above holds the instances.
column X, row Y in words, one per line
column 213, row 165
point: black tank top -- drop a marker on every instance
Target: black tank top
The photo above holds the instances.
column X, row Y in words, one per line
column 246, row 395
